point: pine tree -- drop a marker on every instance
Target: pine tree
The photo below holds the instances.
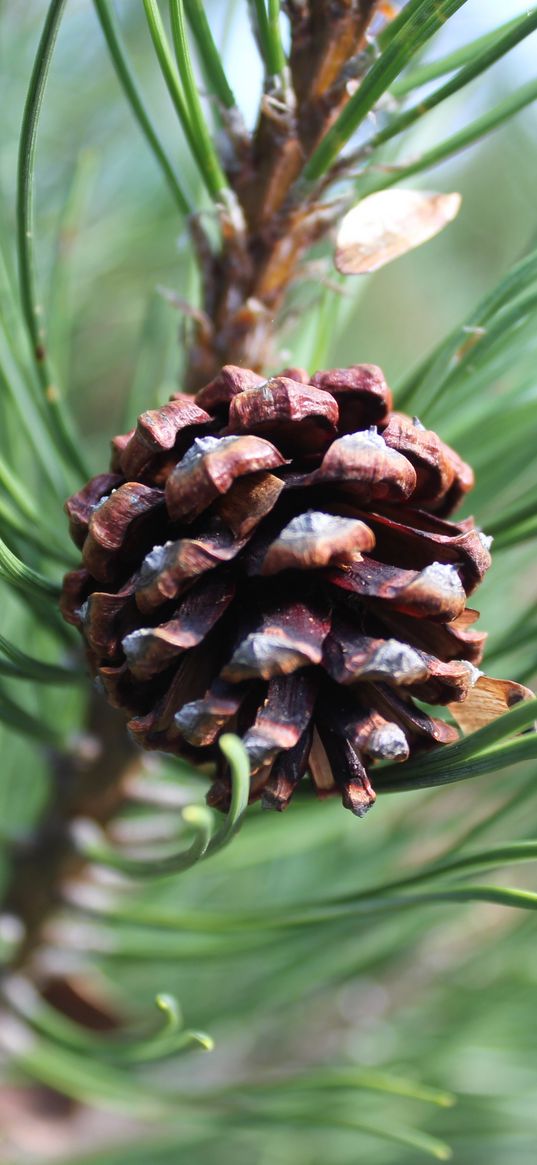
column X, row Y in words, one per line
column 329, row 965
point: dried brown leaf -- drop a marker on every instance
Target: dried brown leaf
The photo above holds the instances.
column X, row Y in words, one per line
column 386, row 225
column 488, row 699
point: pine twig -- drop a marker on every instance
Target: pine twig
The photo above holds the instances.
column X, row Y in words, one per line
column 298, row 106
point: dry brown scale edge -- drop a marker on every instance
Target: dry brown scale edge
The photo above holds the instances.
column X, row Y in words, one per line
column 274, row 558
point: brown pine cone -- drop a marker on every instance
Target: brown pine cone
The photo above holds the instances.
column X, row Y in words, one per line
column 273, row 558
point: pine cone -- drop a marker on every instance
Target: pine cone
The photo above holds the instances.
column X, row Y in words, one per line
column 273, row 558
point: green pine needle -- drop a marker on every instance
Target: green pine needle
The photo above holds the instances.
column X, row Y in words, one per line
column 267, row 18
column 209, row 55
column 479, row 62
column 457, row 59
column 59, row 418
column 111, row 30
column 23, row 666
column 206, row 155
column 24, row 578
column 415, row 25
column 474, row 132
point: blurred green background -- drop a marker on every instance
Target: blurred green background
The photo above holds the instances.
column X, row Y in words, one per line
column 441, row 993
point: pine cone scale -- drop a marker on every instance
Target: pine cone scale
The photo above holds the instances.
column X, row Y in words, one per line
column 210, row 467
column 150, row 649
column 81, row 506
column 170, row 569
column 288, row 638
column 159, row 433
column 436, row 592
column 408, row 542
column 116, row 523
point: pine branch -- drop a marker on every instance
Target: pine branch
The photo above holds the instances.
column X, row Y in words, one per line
column 317, row 115
column 272, row 197
column 292, row 118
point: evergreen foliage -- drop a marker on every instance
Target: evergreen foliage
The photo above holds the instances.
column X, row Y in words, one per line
column 365, row 990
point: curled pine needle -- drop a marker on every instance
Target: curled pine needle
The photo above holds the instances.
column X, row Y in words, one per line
column 90, row 840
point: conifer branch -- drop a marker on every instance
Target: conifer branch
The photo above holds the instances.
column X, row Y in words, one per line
column 274, row 193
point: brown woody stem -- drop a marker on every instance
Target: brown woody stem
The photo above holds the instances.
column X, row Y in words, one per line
column 88, row 782
column 248, row 285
